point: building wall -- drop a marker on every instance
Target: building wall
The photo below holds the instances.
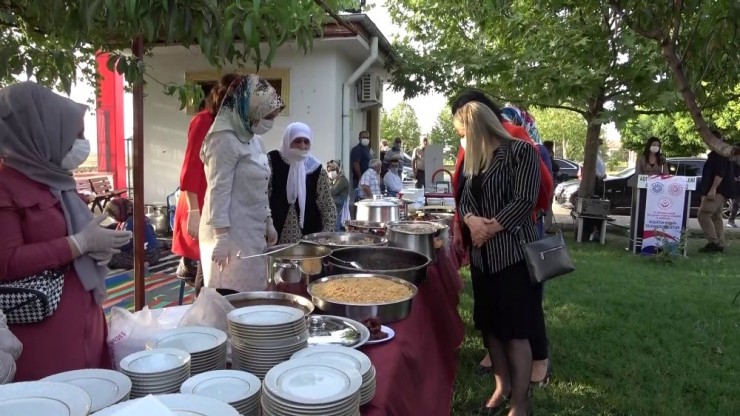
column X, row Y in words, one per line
column 315, row 98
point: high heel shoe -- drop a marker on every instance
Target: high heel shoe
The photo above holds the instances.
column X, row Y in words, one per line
column 492, row 411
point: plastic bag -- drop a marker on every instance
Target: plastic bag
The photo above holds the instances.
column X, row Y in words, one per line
column 128, row 333
column 209, row 309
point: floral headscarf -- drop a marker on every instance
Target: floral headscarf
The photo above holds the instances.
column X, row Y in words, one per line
column 249, row 99
column 522, row 118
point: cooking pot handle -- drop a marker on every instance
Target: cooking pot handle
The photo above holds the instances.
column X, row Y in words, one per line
column 284, row 265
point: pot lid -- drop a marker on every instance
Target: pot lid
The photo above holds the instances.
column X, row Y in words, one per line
column 378, row 203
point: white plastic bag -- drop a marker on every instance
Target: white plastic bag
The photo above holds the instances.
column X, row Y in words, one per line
column 209, row 309
column 128, row 333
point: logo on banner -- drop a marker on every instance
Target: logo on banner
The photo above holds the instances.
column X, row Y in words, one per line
column 664, row 212
column 675, row 190
column 657, row 188
column 665, row 203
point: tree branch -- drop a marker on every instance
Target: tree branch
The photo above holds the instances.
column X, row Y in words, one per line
column 538, row 104
column 678, row 7
column 328, row 10
column 691, row 39
column 655, row 34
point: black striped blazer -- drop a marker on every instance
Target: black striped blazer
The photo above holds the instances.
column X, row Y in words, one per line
column 509, row 190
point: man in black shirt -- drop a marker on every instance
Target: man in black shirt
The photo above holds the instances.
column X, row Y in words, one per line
column 717, row 186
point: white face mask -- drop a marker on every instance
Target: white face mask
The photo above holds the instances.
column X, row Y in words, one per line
column 463, row 142
column 263, row 126
column 655, row 149
column 77, row 155
column 365, row 142
column 333, row 174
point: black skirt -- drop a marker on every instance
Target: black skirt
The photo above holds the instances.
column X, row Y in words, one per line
column 506, row 303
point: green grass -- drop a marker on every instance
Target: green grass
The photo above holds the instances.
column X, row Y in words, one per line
column 631, row 336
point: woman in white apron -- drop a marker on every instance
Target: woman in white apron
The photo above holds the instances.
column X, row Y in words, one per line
column 236, row 213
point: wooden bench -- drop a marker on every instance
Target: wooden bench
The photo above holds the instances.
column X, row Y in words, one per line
column 84, row 188
column 102, row 192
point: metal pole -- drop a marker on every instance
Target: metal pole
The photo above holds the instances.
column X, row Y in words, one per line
column 138, row 174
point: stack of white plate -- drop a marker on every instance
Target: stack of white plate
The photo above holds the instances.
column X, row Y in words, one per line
column 180, row 404
column 349, row 357
column 47, row 398
column 207, row 346
column 238, row 388
column 157, row 371
column 264, row 336
column 311, row 386
column 105, row 387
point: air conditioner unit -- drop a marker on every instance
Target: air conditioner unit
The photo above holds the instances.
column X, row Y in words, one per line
column 370, row 90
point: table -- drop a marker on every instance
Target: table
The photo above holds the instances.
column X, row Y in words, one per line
column 416, row 369
column 583, row 218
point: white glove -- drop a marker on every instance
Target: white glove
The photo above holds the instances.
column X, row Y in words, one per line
column 193, row 223
column 7, row 368
column 222, row 250
column 94, row 238
column 103, row 257
column 8, row 342
column 272, row 235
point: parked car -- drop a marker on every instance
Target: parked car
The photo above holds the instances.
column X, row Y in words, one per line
column 619, row 193
column 568, row 169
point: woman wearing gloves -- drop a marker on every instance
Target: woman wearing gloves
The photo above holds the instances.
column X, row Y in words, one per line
column 236, row 210
column 300, row 191
column 46, row 226
column 193, row 186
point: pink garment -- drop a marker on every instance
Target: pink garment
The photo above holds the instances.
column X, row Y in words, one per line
column 33, row 240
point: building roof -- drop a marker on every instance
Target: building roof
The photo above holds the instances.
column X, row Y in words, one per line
column 365, row 28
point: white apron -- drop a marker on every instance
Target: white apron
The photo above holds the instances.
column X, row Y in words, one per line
column 238, row 175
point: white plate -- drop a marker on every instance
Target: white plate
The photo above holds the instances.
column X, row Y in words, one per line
column 228, row 386
column 159, row 360
column 349, row 356
column 312, row 381
column 183, row 404
column 47, row 398
column 388, row 330
column 193, row 339
column 265, row 315
column 105, row 387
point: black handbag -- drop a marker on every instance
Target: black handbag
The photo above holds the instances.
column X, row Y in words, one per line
column 34, row 298
column 547, row 258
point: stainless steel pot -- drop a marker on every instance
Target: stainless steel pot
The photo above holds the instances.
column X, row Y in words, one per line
column 416, row 236
column 378, row 210
column 157, row 218
column 244, row 299
column 292, row 268
column 389, row 261
column 384, row 312
column 341, row 240
column 354, row 226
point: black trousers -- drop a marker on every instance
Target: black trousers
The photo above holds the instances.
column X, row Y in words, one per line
column 421, row 178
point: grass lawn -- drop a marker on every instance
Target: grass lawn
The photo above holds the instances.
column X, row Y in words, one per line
column 631, row 336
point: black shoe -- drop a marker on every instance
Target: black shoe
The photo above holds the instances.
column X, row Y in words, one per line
column 712, row 248
column 491, row 411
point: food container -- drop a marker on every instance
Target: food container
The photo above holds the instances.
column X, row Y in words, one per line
column 367, row 227
column 244, row 299
column 341, row 240
column 336, row 330
column 293, row 266
column 417, row 236
column 383, row 312
column 378, row 210
column 389, row 261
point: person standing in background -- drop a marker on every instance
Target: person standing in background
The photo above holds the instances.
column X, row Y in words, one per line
column 550, row 147
column 383, row 148
column 359, row 159
column 417, row 161
column 651, row 161
column 193, row 187
column 340, row 190
column 717, row 186
column 392, row 178
column 370, row 181
column 394, row 152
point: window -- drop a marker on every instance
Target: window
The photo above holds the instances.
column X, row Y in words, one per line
column 693, row 168
column 278, row 78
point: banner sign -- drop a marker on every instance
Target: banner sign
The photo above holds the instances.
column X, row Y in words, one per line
column 664, row 211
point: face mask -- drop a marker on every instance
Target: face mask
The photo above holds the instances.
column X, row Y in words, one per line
column 333, row 174
column 78, row 155
column 463, row 142
column 263, row 126
column 655, row 149
column 298, row 153
column 365, row 142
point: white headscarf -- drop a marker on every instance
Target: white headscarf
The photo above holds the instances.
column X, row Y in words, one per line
column 300, row 165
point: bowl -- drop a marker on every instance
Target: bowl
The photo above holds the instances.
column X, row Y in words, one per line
column 388, row 261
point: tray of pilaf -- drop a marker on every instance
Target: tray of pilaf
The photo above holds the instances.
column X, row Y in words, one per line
column 361, row 296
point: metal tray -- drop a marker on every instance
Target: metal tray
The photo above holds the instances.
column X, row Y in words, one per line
column 336, row 324
column 341, row 240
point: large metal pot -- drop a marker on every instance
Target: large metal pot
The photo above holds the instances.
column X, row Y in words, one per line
column 291, row 267
column 417, row 236
column 389, row 261
column 367, row 227
column 378, row 210
column 244, row 299
column 384, row 312
column 157, row 218
column 341, row 240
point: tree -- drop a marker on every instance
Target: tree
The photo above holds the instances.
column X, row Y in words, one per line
column 444, row 133
column 698, row 42
column 571, row 55
column 566, row 129
column 401, row 122
column 56, row 41
column 676, row 132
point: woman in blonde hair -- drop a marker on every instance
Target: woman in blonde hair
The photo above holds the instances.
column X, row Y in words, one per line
column 500, row 191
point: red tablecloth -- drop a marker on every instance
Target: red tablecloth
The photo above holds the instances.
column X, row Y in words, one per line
column 416, row 369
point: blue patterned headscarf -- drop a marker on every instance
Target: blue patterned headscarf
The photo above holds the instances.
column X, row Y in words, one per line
column 522, row 118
